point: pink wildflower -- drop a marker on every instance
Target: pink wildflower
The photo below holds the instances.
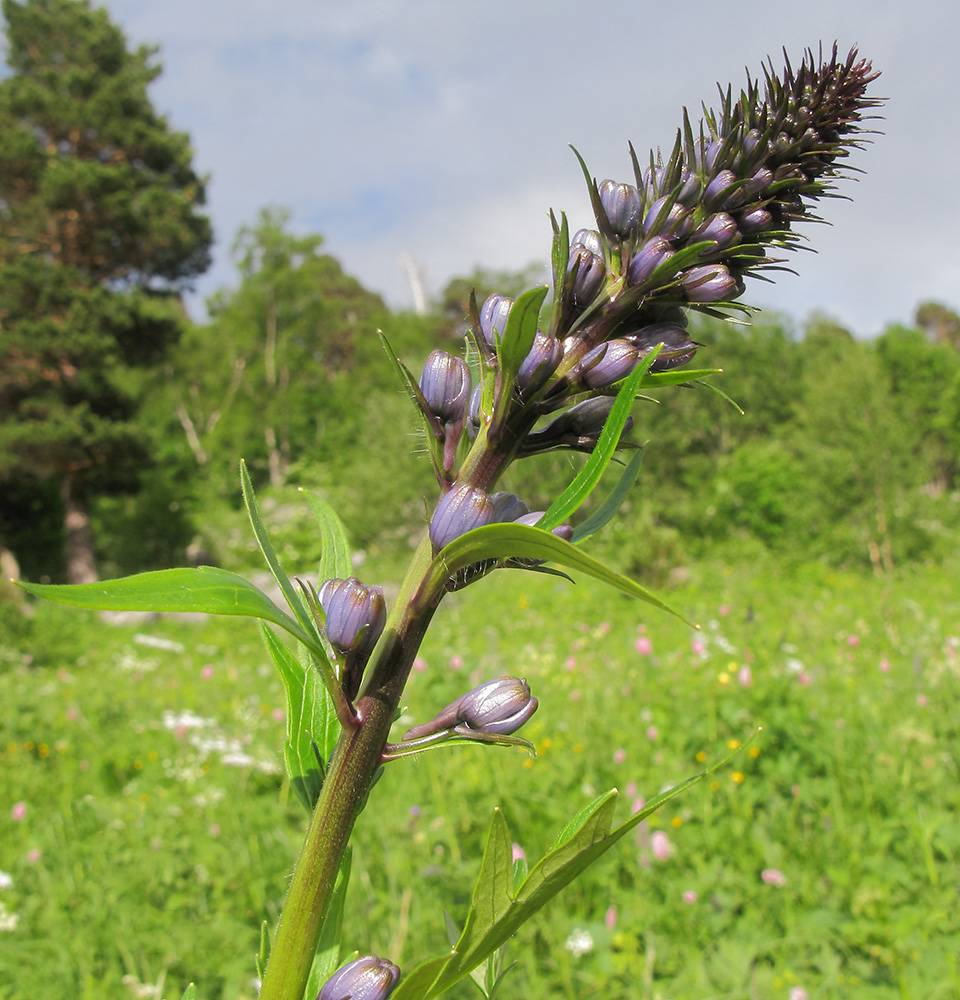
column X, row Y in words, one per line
column 698, row 647
column 724, row 609
column 884, row 666
column 619, row 756
column 207, row 671
column 690, row 897
column 419, row 664
column 517, row 853
column 644, row 646
column 19, row 811
column 652, row 733
column 33, row 856
column 922, row 700
column 853, row 640
column 660, row 845
column 456, row 662
column 773, row 877
column 798, row 993
column 745, row 676
column 610, row 920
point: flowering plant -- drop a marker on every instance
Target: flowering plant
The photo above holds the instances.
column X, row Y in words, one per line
column 681, row 237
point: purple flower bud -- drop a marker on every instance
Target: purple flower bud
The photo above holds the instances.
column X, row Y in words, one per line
column 564, row 531
column 350, row 606
column 545, row 354
column 462, row 509
column 590, row 276
column 605, row 364
column 578, row 427
column 445, row 384
column 675, row 223
column 677, row 345
column 507, row 507
column 756, row 221
column 751, row 141
column 497, row 707
column 589, row 238
column 647, row 259
column 500, row 706
column 757, row 184
column 718, row 189
column 709, row 283
column 621, row 202
column 690, row 192
column 365, row 978
column 720, row 229
column 493, row 317
column 711, row 154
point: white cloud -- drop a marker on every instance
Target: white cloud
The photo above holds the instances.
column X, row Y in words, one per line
column 440, row 129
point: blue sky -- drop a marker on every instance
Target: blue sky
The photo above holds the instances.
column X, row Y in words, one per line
column 439, row 129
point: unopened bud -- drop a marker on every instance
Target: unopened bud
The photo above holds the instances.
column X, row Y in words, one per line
column 493, row 317
column 577, row 428
column 445, row 384
column 564, row 531
column 710, row 283
column 647, row 259
column 590, row 239
column 355, row 615
column 537, row 367
column 621, row 202
column 677, row 345
column 605, row 364
column 719, row 229
column 459, row 511
column 507, row 507
column 718, row 189
column 497, row 707
column 365, row 978
column 591, row 272
column 756, row 221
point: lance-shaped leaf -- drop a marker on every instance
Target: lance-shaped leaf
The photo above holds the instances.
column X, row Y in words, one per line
column 586, row 480
column 335, row 561
column 190, row 993
column 612, row 504
column 266, row 547
column 497, row 910
column 312, row 725
column 512, row 540
column 208, row 590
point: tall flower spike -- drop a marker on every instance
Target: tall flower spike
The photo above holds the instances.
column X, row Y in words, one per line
column 722, row 206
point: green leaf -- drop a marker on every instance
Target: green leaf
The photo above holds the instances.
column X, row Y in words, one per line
column 503, row 541
column 312, row 725
column 327, row 959
column 586, row 480
column 613, row 502
column 190, row 993
column 207, row 590
column 677, row 376
column 335, row 561
column 293, row 598
column 496, row 914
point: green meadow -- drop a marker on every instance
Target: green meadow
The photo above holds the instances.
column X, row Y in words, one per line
column 147, row 831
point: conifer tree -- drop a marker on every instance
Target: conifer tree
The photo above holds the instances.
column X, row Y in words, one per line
column 101, row 229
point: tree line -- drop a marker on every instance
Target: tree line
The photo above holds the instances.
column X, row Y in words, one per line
column 122, row 422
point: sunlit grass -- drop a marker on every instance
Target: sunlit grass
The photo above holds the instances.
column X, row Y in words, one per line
column 146, row 830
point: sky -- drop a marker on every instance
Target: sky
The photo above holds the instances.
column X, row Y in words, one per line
column 435, row 134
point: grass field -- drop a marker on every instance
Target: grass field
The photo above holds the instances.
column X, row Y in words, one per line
column 146, row 831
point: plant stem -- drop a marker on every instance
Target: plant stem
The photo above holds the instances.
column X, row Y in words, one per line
column 349, row 777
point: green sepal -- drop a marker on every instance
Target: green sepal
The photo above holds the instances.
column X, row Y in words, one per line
column 676, row 376
column 612, row 504
column 498, row 908
column 432, row 429
column 514, row 346
column 190, row 993
column 560, row 259
column 263, row 954
column 312, row 724
column 586, row 480
column 207, row 590
column 326, row 961
column 503, row 541
column 335, row 561
column 293, row 598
